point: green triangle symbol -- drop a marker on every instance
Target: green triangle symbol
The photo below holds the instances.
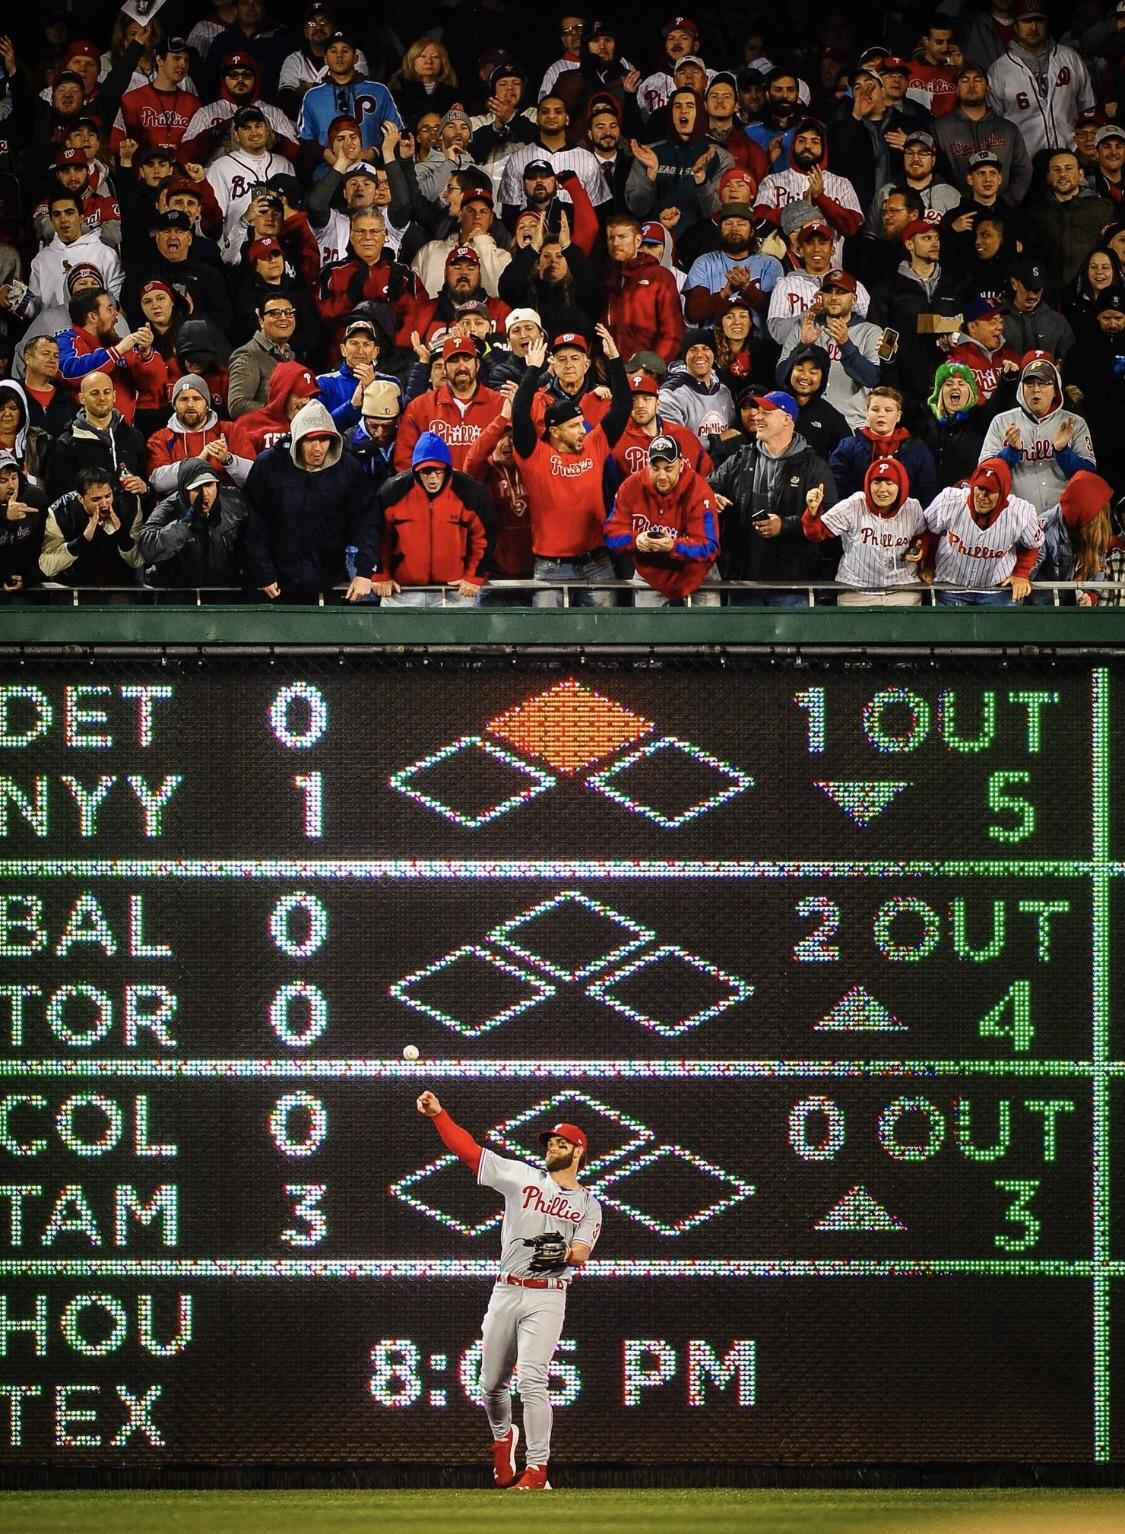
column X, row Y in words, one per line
column 857, row 1211
column 857, row 1011
column 862, row 801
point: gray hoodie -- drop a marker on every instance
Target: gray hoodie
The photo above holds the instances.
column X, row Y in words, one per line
column 1039, row 471
column 313, row 417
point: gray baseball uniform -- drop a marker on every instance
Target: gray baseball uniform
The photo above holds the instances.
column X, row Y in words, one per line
column 875, row 548
column 523, row 1324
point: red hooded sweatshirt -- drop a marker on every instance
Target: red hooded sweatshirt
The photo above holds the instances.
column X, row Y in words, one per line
column 642, row 307
column 689, row 507
column 253, row 433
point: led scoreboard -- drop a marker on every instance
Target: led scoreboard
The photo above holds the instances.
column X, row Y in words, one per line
column 825, row 958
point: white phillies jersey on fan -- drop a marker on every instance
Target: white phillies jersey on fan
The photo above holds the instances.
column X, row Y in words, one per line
column 533, row 1205
column 973, row 557
column 875, row 547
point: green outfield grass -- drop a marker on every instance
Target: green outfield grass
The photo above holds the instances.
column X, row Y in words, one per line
column 583, row 1512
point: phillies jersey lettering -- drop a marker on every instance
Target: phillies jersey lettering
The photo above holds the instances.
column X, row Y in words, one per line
column 975, row 557
column 875, row 547
column 534, row 1204
column 463, row 434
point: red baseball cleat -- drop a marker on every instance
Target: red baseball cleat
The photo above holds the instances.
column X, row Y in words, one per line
column 534, row 1478
column 504, row 1457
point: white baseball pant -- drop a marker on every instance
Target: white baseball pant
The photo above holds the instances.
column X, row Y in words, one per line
column 521, row 1330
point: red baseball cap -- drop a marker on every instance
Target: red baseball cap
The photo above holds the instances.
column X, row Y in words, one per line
column 917, row 226
column 844, row 281
column 262, row 248
column 458, row 346
column 569, row 1132
column 571, row 338
column 806, row 232
column 643, row 383
column 679, row 24
column 462, row 253
column 305, row 384
column 66, row 157
column 652, row 233
column 82, row 49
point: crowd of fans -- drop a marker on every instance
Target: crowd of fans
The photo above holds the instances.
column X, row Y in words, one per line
column 426, row 299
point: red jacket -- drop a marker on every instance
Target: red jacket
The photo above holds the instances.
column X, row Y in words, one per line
column 433, row 542
column 511, row 554
column 166, row 446
column 642, row 308
column 631, row 448
column 350, row 281
column 251, row 434
column 689, row 507
column 137, row 381
column 427, row 320
column 437, row 411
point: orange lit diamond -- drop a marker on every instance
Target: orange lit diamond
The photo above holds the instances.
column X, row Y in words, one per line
column 569, row 726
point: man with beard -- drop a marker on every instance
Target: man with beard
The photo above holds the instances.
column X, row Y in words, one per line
column 552, row 121
column 808, row 180
column 604, row 140
column 851, row 346
column 477, row 228
column 457, row 411
column 209, row 130
column 681, row 39
column 642, row 304
column 1066, row 220
column 781, row 108
column 541, row 187
column 91, row 345
column 646, row 423
column 462, row 286
column 194, row 430
column 797, row 290
column 736, row 267
column 367, row 275
column 665, row 518
column 372, row 438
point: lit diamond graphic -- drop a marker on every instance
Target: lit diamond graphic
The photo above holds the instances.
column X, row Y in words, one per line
column 444, row 1177
column 601, row 1122
column 431, row 1172
column 577, row 924
column 670, row 959
column 569, row 726
column 525, row 990
column 665, row 1226
column 734, row 782
column 405, row 780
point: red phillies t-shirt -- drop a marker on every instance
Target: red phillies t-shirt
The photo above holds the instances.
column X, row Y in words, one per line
column 565, row 498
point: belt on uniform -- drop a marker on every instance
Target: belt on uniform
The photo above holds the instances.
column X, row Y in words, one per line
column 530, row 1283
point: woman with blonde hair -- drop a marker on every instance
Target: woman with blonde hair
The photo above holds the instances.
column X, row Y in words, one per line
column 1076, row 536
column 425, row 81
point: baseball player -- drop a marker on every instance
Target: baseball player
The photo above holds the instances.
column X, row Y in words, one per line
column 549, row 1230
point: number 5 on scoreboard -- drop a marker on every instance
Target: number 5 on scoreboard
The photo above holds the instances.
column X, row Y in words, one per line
column 1003, row 801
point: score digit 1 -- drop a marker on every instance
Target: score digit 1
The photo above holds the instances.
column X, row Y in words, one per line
column 311, row 787
column 812, row 701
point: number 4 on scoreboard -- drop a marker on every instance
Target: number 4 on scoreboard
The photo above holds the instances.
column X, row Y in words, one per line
column 1010, row 1018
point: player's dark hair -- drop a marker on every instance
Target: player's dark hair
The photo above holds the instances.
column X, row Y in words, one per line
column 83, row 304
column 93, row 474
column 779, row 72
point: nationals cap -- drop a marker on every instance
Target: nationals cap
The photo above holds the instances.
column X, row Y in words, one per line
column 983, row 157
column 843, row 282
column 462, row 253
column 663, row 450
column 569, row 1132
column 571, row 339
column 262, row 250
column 75, row 157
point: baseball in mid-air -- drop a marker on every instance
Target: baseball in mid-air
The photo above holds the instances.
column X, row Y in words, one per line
column 410, row 1051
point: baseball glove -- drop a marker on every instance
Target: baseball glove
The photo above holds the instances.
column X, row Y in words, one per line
column 550, row 1251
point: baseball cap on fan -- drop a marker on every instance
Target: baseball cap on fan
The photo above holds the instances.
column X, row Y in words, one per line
column 569, row 1132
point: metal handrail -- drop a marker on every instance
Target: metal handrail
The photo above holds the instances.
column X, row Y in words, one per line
column 92, row 596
